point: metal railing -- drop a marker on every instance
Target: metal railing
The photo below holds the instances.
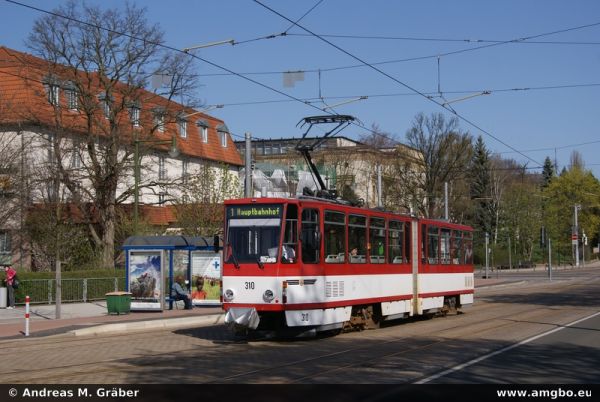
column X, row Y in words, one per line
column 72, row 290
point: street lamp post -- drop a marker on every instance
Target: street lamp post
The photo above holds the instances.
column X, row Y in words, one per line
column 173, row 152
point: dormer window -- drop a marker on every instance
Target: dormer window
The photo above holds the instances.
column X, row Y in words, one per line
column 134, row 115
column 203, row 129
column 182, row 123
column 52, row 86
column 223, row 132
column 105, row 104
column 159, row 120
column 72, row 101
column 72, row 96
column 53, row 91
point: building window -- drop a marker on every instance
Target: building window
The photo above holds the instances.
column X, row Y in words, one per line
column 203, row 129
column 5, row 247
column 162, row 197
column 75, row 159
column 53, row 94
column 222, row 130
column 162, row 169
column 72, row 99
column 159, row 121
column 134, row 116
column 183, row 128
column 184, row 171
column 106, row 108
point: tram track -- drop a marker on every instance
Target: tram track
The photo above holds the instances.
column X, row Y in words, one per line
column 358, row 352
column 483, row 318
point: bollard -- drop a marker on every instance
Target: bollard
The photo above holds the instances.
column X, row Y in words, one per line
column 26, row 315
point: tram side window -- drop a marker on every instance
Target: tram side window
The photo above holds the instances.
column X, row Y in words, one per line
column 456, row 247
column 395, row 242
column 468, row 247
column 407, row 244
column 445, row 246
column 311, row 238
column 433, row 244
column 357, row 238
column 377, row 240
column 290, row 235
column 335, row 236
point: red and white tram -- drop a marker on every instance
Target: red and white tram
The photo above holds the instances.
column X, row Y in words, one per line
column 318, row 264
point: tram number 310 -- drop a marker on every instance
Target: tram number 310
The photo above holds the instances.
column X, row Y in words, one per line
column 249, row 285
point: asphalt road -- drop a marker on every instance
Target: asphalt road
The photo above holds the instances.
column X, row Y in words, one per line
column 442, row 349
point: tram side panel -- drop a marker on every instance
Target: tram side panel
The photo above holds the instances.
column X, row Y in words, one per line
column 444, row 268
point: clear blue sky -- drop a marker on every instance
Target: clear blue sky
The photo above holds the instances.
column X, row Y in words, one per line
column 526, row 120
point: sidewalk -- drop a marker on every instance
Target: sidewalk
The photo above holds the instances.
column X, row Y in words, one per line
column 92, row 318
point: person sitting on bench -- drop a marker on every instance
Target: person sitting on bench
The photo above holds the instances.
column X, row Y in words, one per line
column 178, row 292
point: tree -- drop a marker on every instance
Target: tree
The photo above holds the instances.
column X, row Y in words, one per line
column 548, row 172
column 444, row 154
column 200, row 208
column 575, row 186
column 106, row 69
column 480, row 188
column 576, row 160
column 378, row 139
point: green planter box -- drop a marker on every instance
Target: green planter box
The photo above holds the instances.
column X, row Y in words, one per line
column 118, row 302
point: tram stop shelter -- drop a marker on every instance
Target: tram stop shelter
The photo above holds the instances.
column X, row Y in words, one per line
column 152, row 263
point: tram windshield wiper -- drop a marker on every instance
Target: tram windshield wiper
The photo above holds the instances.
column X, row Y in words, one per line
column 260, row 264
column 232, row 256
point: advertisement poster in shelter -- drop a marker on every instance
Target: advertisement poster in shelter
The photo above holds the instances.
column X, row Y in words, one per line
column 145, row 280
column 206, row 275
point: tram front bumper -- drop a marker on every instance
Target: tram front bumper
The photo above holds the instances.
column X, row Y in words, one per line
column 242, row 316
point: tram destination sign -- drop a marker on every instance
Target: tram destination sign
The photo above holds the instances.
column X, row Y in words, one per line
column 254, row 211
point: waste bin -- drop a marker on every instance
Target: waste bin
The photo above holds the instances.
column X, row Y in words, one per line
column 3, row 297
column 118, row 302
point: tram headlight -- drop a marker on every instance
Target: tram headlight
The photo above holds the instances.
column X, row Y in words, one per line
column 228, row 295
column 268, row 296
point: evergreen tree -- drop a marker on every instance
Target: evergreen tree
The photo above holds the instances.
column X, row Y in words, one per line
column 548, row 172
column 480, row 187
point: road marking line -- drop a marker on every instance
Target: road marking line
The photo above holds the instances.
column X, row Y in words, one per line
column 497, row 352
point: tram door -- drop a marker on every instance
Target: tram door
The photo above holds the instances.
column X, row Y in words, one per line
column 310, row 236
column 289, row 246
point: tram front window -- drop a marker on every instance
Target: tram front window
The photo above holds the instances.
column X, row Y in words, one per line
column 253, row 233
column 258, row 244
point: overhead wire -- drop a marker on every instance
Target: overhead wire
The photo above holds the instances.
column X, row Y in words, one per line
column 291, row 97
column 417, row 58
column 455, row 92
column 421, row 39
column 171, row 48
column 459, row 116
column 284, row 33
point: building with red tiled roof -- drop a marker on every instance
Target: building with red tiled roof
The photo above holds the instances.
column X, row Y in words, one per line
column 66, row 123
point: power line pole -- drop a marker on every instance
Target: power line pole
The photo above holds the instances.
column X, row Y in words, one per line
column 379, row 197
column 575, row 237
column 248, row 166
column 487, row 259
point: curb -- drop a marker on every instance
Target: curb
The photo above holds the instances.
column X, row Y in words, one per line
column 201, row 321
